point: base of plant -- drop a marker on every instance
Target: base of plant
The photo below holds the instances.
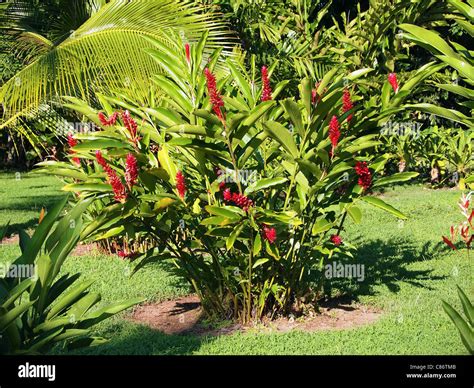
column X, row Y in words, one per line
column 185, row 315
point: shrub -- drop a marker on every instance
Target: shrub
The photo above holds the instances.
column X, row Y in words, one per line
column 246, row 195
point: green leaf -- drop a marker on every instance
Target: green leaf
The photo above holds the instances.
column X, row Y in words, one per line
column 241, row 81
column 257, row 112
column 292, row 109
column 265, row 183
column 260, row 262
column 466, row 306
column 355, row 213
column 257, row 245
column 282, row 136
column 320, row 226
column 395, row 178
column 377, row 202
column 225, row 211
column 167, row 163
column 466, row 332
column 233, row 236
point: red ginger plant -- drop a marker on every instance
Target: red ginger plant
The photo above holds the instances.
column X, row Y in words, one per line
column 246, row 245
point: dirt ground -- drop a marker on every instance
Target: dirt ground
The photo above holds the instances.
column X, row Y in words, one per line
column 184, row 316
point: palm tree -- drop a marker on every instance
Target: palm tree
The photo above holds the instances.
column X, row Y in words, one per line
column 82, row 47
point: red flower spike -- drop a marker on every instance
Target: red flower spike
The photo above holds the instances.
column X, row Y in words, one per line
column 120, row 194
column 71, row 140
column 72, row 143
column 269, row 234
column 180, row 184
column 108, row 121
column 227, row 195
column 266, row 88
column 214, row 95
column 131, row 126
column 365, row 176
column 131, row 171
column 238, row 199
column 347, row 103
column 334, row 133
column 392, row 79
column 188, row 53
column 336, row 239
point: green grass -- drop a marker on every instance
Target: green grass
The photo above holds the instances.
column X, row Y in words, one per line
column 408, row 271
column 22, row 195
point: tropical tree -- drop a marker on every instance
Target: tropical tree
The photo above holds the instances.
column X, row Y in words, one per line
column 80, row 47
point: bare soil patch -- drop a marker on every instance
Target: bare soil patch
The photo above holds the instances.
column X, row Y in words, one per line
column 185, row 316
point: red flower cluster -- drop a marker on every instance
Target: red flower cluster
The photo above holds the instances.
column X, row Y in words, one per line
column 269, row 234
column 238, row 199
column 347, row 103
column 126, row 255
column 188, row 53
column 392, row 79
column 214, row 95
column 180, row 184
column 131, row 171
column 72, row 143
column 120, row 194
column 266, row 88
column 365, row 176
column 131, row 126
column 336, row 239
column 334, row 133
column 108, row 121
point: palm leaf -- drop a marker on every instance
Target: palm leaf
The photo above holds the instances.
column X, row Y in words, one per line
column 107, row 53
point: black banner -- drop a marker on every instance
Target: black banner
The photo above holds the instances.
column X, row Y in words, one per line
column 137, row 371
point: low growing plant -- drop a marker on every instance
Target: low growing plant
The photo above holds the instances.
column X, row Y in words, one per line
column 42, row 308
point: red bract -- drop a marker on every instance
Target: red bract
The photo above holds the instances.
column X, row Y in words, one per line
column 131, row 170
column 238, row 199
column 392, row 79
column 108, row 121
column 347, row 103
column 131, row 125
column 336, row 239
column 269, row 234
column 188, row 53
column 266, row 88
column 365, row 176
column 449, row 243
column 126, row 255
column 214, row 95
column 120, row 194
column 180, row 184
column 334, row 132
column 227, row 194
column 72, row 143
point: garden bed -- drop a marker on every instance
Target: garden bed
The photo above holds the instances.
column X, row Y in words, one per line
column 185, row 316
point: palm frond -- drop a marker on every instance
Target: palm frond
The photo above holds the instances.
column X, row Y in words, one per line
column 107, row 53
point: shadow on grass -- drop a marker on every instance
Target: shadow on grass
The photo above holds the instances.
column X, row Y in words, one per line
column 27, row 204
column 142, row 340
column 387, row 263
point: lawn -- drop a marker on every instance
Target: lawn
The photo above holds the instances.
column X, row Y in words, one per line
column 407, row 272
